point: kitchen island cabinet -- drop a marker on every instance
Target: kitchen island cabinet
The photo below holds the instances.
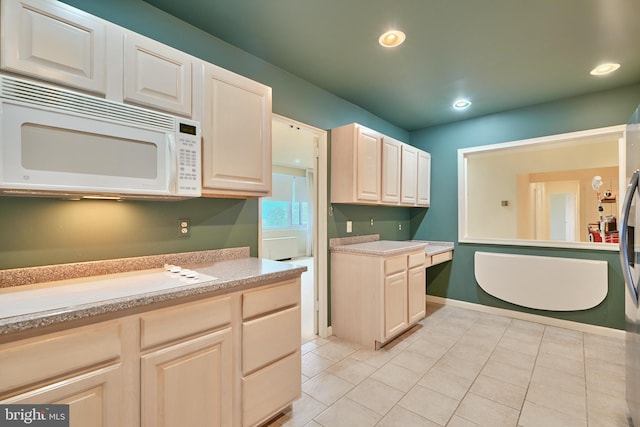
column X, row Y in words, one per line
column 377, row 290
column 224, row 351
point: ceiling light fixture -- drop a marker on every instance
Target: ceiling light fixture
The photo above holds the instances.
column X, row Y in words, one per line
column 392, row 38
column 603, row 69
column 461, row 104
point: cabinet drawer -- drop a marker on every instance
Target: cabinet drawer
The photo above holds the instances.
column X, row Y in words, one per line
column 395, row 265
column 270, row 338
column 417, row 259
column 261, row 301
column 441, row 257
column 47, row 357
column 170, row 324
column 270, row 389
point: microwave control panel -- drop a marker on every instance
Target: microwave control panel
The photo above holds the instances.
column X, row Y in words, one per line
column 189, row 177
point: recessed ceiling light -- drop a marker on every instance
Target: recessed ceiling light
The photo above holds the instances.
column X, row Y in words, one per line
column 461, row 104
column 603, row 69
column 392, row 38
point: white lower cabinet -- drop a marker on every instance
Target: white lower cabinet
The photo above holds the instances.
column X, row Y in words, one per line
column 271, row 351
column 188, row 384
column 376, row 298
column 231, row 360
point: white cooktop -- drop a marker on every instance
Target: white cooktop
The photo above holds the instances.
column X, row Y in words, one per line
column 63, row 294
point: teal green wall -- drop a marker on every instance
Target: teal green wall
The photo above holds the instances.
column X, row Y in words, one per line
column 49, row 231
column 455, row 280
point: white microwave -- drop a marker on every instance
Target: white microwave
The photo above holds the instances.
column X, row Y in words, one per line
column 60, row 143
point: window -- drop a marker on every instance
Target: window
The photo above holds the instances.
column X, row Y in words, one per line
column 288, row 207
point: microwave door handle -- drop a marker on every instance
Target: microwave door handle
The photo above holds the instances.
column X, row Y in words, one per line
column 172, row 163
column 625, row 249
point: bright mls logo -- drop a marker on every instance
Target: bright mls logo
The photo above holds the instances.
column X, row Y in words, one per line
column 34, row 415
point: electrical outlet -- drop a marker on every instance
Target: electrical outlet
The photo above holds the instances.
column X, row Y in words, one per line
column 400, row 227
column 349, row 226
column 371, row 222
column 184, row 227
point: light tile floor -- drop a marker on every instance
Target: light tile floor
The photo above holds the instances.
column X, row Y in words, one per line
column 461, row 368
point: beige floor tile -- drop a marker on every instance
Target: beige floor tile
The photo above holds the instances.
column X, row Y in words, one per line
column 528, row 347
column 326, row 388
column 562, row 336
column 457, row 421
column 513, row 358
column 302, row 412
column 461, row 367
column 486, row 412
column 571, row 404
column 413, row 361
column 499, row 391
column 312, row 424
column 347, row 413
column 533, row 415
column 470, row 352
column 561, row 363
column 335, row 350
column 445, row 382
column 375, row 395
column 313, row 344
column 603, row 377
column 558, row 379
column 604, row 348
column 351, row 370
column 428, row 348
column 312, row 364
column 396, row 376
column 507, row 373
column 400, row 417
column 429, row 404
column 604, row 407
column 568, row 350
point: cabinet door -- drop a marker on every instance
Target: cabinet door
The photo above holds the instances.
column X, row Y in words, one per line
column 237, row 135
column 189, row 382
column 409, row 174
column 395, row 304
column 424, row 178
column 156, row 75
column 94, row 398
column 416, row 285
column 55, row 42
column 391, row 163
column 368, row 166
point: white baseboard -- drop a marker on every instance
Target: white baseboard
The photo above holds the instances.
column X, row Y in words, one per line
column 567, row 324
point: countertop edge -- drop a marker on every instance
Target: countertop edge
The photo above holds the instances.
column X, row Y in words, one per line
column 31, row 321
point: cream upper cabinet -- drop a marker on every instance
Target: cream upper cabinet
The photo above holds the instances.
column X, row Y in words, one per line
column 391, row 164
column 156, row 75
column 409, row 174
column 369, row 168
column 236, row 129
column 424, row 179
column 355, row 165
column 54, row 42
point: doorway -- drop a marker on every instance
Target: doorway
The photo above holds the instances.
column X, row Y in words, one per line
column 293, row 221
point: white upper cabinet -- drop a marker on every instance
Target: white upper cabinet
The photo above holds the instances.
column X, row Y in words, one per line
column 409, row 174
column 156, row 75
column 236, row 129
column 424, row 179
column 370, row 168
column 391, row 164
column 54, row 42
column 355, row 165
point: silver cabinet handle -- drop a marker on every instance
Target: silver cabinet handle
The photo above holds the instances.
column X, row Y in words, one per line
column 624, row 237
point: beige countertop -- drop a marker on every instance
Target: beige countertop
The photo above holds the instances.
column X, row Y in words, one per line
column 42, row 304
column 380, row 247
